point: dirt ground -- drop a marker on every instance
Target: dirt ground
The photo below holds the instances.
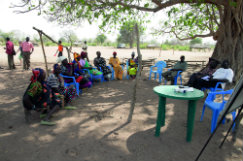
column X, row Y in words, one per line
column 97, row 130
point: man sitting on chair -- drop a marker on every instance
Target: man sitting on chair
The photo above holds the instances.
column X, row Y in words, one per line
column 179, row 66
column 224, row 74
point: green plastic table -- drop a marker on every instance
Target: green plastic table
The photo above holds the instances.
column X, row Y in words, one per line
column 168, row 91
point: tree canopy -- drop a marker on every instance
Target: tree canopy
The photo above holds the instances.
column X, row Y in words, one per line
column 100, row 39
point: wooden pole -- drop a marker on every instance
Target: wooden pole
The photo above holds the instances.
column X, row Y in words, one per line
column 137, row 76
column 68, row 51
column 44, row 54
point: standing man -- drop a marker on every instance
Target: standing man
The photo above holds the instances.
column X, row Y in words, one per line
column 28, row 49
column 179, row 66
column 85, row 48
column 11, row 52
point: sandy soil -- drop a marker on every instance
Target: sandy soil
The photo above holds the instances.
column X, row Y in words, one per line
column 97, row 130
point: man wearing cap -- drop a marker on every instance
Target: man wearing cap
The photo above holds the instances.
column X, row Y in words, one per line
column 115, row 63
column 28, row 49
column 179, row 66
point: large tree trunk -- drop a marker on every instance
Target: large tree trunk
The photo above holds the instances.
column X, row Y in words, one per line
column 230, row 40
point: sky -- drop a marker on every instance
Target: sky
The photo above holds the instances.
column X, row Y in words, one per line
column 25, row 22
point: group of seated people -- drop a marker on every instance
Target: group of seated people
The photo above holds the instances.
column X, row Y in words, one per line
column 207, row 77
column 49, row 95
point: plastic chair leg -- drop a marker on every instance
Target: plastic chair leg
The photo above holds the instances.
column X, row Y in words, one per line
column 77, row 89
column 155, row 76
column 215, row 116
column 175, row 81
column 204, row 106
column 160, row 78
column 127, row 76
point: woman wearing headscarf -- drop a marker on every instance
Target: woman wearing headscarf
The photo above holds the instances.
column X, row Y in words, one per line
column 85, row 64
column 38, row 96
column 115, row 63
column 56, row 82
column 132, row 66
column 100, row 63
column 68, row 69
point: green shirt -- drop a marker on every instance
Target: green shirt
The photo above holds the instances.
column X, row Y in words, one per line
column 180, row 65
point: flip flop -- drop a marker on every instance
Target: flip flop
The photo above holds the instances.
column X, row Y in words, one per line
column 42, row 116
column 70, row 108
column 49, row 123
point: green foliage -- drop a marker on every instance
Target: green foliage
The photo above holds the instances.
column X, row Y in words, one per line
column 69, row 36
column 175, row 47
column 127, row 32
column 196, row 41
column 15, row 36
column 188, row 20
column 100, row 39
column 184, row 19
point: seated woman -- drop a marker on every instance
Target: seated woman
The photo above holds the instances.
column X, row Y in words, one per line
column 78, row 69
column 208, row 70
column 85, row 64
column 223, row 74
column 56, row 82
column 132, row 66
column 38, row 97
column 100, row 62
column 68, row 69
column 115, row 63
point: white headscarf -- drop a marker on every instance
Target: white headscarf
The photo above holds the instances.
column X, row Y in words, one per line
column 60, row 59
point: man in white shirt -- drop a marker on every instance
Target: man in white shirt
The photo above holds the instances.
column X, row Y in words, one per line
column 85, row 48
column 223, row 74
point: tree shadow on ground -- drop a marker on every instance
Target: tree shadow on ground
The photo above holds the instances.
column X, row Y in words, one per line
column 79, row 134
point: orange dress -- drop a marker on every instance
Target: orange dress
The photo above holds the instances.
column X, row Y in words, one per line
column 115, row 62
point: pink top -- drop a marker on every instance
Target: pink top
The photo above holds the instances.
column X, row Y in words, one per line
column 27, row 46
column 9, row 47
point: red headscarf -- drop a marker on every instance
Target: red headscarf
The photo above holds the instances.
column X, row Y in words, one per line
column 114, row 53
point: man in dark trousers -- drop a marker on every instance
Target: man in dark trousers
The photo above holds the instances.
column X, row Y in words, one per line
column 179, row 66
column 28, row 49
column 11, row 52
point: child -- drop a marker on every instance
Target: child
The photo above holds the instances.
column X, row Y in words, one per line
column 60, row 49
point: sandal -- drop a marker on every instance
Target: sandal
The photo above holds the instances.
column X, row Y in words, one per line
column 49, row 123
column 70, row 108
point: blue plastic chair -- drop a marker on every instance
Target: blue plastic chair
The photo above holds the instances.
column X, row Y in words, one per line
column 76, row 84
column 97, row 77
column 214, row 89
column 127, row 64
column 160, row 66
column 216, row 107
column 93, row 77
column 112, row 72
column 178, row 75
